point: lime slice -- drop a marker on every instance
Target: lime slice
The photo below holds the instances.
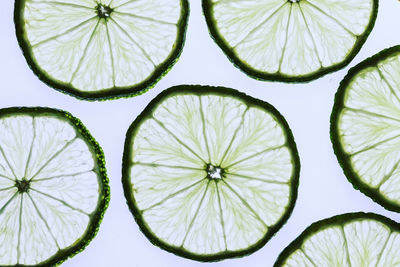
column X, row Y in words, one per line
column 53, row 186
column 365, row 125
column 210, row 173
column 101, row 49
column 352, row 239
column 290, row 40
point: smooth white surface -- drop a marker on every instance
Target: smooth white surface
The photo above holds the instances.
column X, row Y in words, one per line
column 324, row 190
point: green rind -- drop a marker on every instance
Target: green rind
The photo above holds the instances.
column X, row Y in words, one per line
column 204, row 90
column 279, row 77
column 101, row 171
column 342, row 157
column 110, row 93
column 337, row 220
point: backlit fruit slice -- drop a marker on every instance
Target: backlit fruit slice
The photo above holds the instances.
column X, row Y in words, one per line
column 365, row 127
column 290, row 40
column 53, row 186
column 353, row 239
column 101, row 49
column 210, row 173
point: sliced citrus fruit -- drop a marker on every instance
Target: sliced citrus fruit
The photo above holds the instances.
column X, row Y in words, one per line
column 352, row 239
column 53, row 186
column 101, row 49
column 290, row 40
column 365, row 125
column 210, row 173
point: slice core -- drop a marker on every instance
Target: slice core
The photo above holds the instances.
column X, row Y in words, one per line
column 210, row 173
column 22, row 185
column 103, row 11
column 214, row 172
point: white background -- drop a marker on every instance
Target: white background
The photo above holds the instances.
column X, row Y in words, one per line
column 324, row 191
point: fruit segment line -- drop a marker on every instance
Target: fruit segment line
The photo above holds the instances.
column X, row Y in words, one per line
column 7, row 203
column 257, row 179
column 177, row 139
column 64, row 32
column 255, row 155
column 388, row 84
column 346, row 246
column 111, row 54
column 5, row 177
column 221, row 215
column 356, row 110
column 62, row 176
column 204, row 129
column 389, row 175
column 308, row 257
column 62, row 4
column 258, row 26
column 19, row 229
column 234, row 136
column 44, row 221
column 247, row 205
column 59, row 200
column 145, row 18
column 84, row 52
column 8, row 163
column 286, row 39
column 134, row 41
column 331, row 17
column 374, row 145
column 379, row 257
column 196, row 213
column 53, row 157
column 7, row 188
column 28, row 160
column 165, row 166
column 173, row 195
column 311, row 35
column 128, row 2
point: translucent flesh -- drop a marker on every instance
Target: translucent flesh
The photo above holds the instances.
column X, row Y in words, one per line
column 291, row 38
column 362, row 242
column 168, row 173
column 205, row 236
column 369, row 127
column 327, row 34
column 63, row 190
column 74, row 46
column 84, row 3
column 300, row 52
column 344, row 12
column 9, row 227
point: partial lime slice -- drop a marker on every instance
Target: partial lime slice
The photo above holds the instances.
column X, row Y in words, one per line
column 53, row 186
column 290, row 40
column 101, row 49
column 210, row 173
column 365, row 127
column 352, row 239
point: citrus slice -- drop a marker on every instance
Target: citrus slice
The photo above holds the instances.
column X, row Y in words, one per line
column 290, row 40
column 53, row 186
column 210, row 173
column 352, row 239
column 101, row 49
column 365, row 125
